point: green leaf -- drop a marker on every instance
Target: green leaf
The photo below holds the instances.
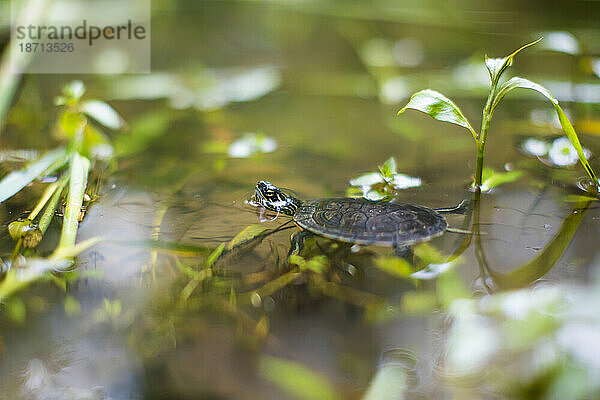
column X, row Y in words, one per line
column 375, row 195
column 497, row 66
column 388, row 169
column 214, row 255
column 317, row 264
column 294, row 259
column 439, row 107
column 70, row 123
column 429, row 254
column 52, row 204
column 103, row 113
column 372, row 178
column 522, row 83
column 296, row 379
column 17, row 180
column 68, row 252
column 247, row 234
column 96, row 145
column 492, row 178
column 394, row 266
column 572, row 135
column 74, row 90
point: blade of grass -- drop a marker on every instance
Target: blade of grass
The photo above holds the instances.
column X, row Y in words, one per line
column 17, row 180
column 77, row 184
column 46, row 217
column 67, row 252
column 516, row 82
column 572, row 135
column 173, row 248
column 45, row 197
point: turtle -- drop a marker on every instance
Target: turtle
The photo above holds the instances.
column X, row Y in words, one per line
column 356, row 221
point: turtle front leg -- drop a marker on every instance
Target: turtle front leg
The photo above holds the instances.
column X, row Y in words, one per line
column 405, row 252
column 298, row 242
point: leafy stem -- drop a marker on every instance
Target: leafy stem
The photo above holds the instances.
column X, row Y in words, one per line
column 482, row 136
column 442, row 108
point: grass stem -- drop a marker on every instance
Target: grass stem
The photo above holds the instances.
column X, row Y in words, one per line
column 78, row 175
column 46, row 217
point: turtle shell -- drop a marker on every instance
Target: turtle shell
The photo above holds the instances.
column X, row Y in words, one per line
column 370, row 223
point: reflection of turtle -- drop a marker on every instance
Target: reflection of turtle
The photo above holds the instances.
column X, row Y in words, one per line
column 356, row 220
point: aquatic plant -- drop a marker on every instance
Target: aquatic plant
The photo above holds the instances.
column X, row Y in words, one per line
column 68, row 167
column 442, row 108
column 383, row 184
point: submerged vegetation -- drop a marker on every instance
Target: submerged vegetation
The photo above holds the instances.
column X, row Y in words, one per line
column 139, row 271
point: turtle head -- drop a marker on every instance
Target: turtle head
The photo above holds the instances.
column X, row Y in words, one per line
column 272, row 198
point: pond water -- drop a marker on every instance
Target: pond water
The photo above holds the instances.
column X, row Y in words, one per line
column 305, row 95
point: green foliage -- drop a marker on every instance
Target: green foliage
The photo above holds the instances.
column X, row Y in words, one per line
column 492, row 178
column 388, row 169
column 394, row 266
column 442, row 108
column 439, row 107
column 246, row 235
column 74, row 125
column 20, row 228
column 71, row 95
column 84, row 143
column 296, row 379
column 429, row 254
column 317, row 264
column 528, row 343
column 215, row 255
column 12, row 183
column 383, row 184
column 77, row 184
column 102, row 113
column 497, row 66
